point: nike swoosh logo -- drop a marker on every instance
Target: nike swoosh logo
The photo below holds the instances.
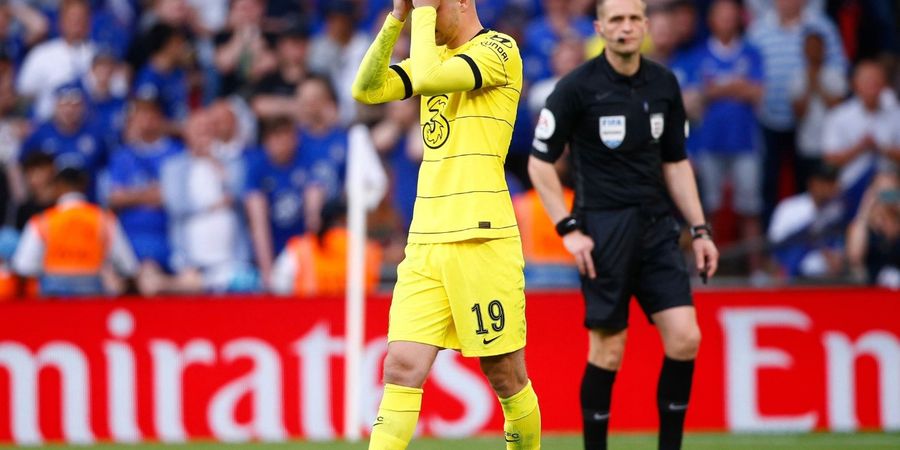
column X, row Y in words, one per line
column 488, row 341
column 598, row 416
column 603, row 95
column 512, row 440
column 677, row 407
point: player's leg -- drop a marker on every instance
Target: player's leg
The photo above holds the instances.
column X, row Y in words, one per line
column 664, row 292
column 509, row 379
column 405, row 368
column 605, row 351
column 420, row 324
column 486, row 285
column 616, row 236
column 680, row 334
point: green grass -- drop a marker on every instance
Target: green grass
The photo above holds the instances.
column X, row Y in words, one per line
column 864, row 441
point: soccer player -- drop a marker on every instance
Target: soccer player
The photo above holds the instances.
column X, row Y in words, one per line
column 461, row 285
column 623, row 117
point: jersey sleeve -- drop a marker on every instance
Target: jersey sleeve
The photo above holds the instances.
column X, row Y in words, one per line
column 555, row 123
column 377, row 81
column 672, row 141
column 430, row 75
column 494, row 61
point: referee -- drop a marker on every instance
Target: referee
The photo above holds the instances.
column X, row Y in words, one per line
column 623, row 118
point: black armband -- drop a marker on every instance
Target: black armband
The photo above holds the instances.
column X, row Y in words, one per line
column 568, row 225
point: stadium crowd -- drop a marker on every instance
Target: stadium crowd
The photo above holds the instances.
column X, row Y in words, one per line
column 181, row 146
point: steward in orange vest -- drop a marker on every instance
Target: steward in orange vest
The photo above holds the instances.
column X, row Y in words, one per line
column 68, row 246
column 540, row 243
column 315, row 264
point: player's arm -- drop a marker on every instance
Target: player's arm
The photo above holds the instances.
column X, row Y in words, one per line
column 474, row 69
column 553, row 132
column 680, row 181
column 377, row 81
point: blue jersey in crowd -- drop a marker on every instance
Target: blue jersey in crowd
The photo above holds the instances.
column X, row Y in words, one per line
column 137, row 167
column 683, row 65
column 404, row 179
column 326, row 157
column 109, row 117
column 283, row 187
column 169, row 88
column 729, row 125
column 84, row 149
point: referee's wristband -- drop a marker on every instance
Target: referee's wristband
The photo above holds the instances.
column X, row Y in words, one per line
column 567, row 225
column 703, row 231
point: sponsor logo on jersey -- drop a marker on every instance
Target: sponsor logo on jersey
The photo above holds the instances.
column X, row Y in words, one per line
column 612, row 131
column 437, row 130
column 546, row 125
column 657, row 125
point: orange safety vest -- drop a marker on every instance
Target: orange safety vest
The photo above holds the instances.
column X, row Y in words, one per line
column 9, row 285
column 323, row 268
column 540, row 243
column 75, row 238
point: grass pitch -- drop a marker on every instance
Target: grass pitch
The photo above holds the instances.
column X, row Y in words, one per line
column 696, row 441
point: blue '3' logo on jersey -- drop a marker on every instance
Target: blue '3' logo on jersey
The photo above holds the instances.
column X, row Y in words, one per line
column 437, row 130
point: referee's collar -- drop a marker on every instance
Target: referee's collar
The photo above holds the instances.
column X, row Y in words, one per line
column 638, row 78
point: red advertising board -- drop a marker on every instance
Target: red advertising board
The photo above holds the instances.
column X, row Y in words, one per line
column 267, row 368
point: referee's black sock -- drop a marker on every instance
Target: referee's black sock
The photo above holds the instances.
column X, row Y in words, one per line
column 672, row 396
column 596, row 395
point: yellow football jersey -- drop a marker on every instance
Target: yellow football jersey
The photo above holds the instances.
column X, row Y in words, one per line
column 469, row 101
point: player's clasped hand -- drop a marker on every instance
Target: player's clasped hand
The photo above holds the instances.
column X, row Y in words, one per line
column 706, row 256
column 580, row 245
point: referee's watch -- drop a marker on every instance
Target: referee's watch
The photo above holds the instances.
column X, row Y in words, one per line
column 567, row 225
column 703, row 231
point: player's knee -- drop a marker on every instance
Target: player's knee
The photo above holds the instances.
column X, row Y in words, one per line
column 404, row 371
column 684, row 344
column 506, row 374
column 607, row 358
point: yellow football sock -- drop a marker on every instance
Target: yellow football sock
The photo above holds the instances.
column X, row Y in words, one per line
column 523, row 420
column 397, row 417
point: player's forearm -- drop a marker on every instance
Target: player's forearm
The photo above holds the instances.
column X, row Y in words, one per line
column 682, row 188
column 373, row 83
column 430, row 75
column 549, row 188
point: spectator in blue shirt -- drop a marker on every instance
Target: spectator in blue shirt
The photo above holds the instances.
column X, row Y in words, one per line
column 278, row 193
column 21, row 26
column 163, row 77
column 542, row 35
column 730, row 74
column 106, row 95
column 779, row 38
column 69, row 137
column 324, row 139
column 134, row 177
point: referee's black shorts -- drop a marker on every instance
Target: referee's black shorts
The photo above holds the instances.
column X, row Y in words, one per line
column 634, row 254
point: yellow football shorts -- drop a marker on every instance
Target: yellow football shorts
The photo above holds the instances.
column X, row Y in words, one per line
column 466, row 295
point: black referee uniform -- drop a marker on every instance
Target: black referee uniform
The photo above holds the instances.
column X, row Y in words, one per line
column 620, row 130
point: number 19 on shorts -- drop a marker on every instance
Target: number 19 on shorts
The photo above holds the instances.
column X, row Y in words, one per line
column 495, row 312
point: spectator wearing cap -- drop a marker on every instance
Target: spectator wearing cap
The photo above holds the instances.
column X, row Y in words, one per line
column 163, row 77
column 542, row 35
column 274, row 95
column 324, row 139
column 106, row 89
column 204, row 235
column 243, row 50
column 58, row 61
column 861, row 135
column 279, row 196
column 337, row 52
column 779, row 39
column 135, row 195
column 815, row 89
column 15, row 41
column 70, row 246
column 806, row 232
column 315, row 264
column 69, row 137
